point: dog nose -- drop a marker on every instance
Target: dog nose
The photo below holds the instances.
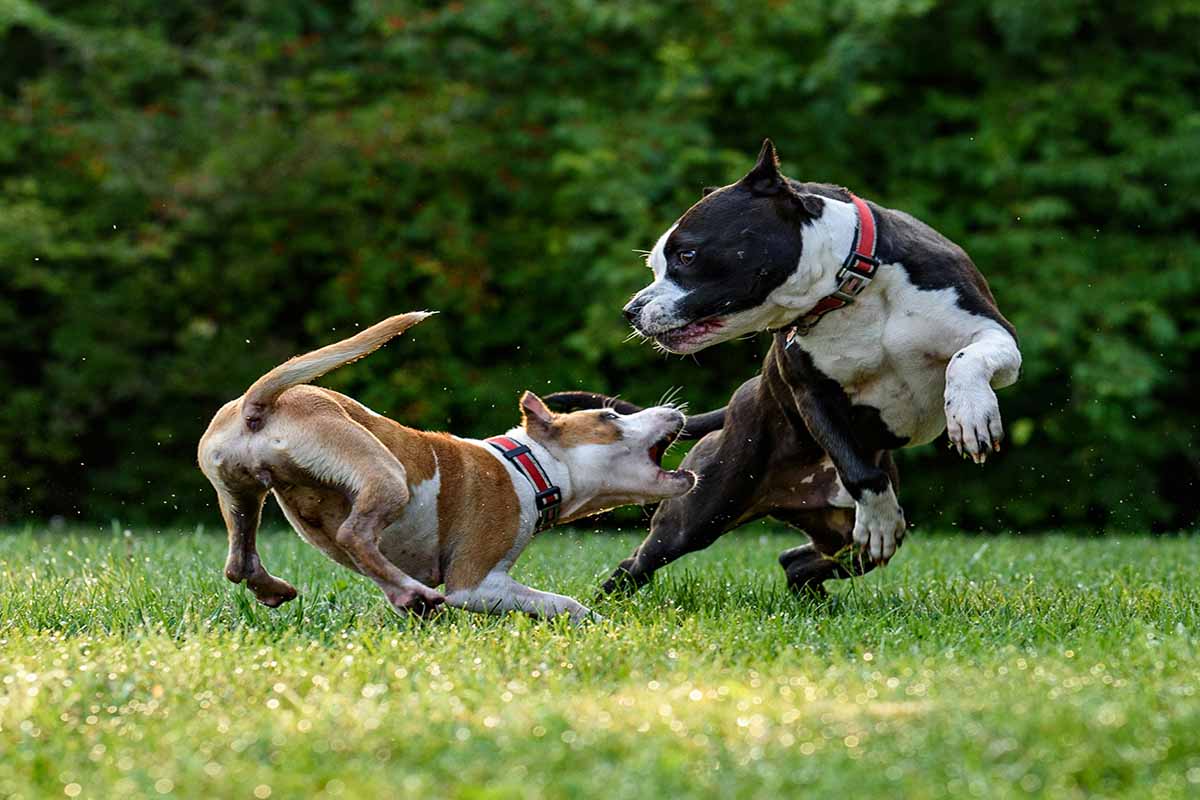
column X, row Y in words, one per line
column 632, row 310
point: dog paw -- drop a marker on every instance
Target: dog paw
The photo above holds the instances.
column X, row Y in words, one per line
column 879, row 525
column 272, row 592
column 418, row 600
column 973, row 421
column 581, row 614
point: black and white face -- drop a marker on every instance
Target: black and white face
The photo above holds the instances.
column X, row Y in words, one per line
column 715, row 270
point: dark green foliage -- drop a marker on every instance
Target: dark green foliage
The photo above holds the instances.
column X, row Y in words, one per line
column 192, row 192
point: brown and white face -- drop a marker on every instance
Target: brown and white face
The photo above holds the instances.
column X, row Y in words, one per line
column 613, row 459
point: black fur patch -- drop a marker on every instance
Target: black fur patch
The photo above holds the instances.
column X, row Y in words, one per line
column 802, row 375
column 746, row 246
column 747, row 238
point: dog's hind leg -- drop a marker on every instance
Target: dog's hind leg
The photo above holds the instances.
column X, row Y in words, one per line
column 808, row 566
column 242, row 511
column 345, row 454
column 830, row 554
column 374, row 508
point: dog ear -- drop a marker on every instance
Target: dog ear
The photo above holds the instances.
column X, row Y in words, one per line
column 535, row 417
column 765, row 178
column 810, row 204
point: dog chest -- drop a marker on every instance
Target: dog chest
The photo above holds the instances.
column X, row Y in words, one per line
column 889, row 351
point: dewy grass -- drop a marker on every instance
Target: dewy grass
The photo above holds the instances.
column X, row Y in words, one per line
column 971, row 667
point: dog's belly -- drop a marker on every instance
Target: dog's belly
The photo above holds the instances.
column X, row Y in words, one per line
column 412, row 542
column 315, row 514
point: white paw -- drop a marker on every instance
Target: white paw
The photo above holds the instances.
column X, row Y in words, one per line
column 973, row 420
column 580, row 614
column 878, row 524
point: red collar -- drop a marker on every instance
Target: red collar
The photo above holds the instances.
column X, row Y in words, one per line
column 857, row 271
column 547, row 497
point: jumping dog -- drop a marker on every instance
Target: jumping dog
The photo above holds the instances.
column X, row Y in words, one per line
column 885, row 334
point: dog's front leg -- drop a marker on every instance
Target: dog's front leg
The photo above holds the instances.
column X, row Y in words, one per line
column 879, row 524
column 991, row 361
column 498, row 593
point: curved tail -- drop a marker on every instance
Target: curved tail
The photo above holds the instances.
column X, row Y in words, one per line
column 696, row 427
column 263, row 393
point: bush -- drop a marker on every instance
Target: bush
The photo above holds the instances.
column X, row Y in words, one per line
column 191, row 193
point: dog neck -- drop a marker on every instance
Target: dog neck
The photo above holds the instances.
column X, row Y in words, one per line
column 578, row 499
column 827, row 241
column 556, row 471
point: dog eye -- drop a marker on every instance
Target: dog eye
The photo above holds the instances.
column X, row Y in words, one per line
column 686, row 257
column 610, row 416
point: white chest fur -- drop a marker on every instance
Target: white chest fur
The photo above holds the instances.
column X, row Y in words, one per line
column 890, row 350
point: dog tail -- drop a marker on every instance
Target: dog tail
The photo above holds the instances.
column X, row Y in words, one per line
column 266, row 390
column 697, row 426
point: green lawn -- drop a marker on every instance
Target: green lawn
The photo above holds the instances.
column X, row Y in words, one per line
column 1000, row 667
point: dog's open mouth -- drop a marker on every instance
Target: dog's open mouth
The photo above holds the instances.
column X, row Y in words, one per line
column 683, row 338
column 659, row 449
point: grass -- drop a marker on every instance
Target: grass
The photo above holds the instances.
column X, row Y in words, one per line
column 1001, row 667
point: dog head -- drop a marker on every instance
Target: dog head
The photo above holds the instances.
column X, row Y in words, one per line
column 716, row 269
column 613, row 459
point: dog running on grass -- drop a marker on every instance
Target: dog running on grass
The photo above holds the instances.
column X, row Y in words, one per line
column 885, row 335
column 412, row 510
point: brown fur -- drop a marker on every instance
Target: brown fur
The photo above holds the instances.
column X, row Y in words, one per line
column 572, row 430
column 346, row 479
column 567, row 430
column 478, row 513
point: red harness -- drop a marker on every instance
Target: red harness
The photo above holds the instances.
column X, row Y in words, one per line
column 547, row 496
column 857, row 271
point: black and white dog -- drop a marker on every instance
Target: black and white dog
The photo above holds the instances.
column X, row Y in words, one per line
column 885, row 335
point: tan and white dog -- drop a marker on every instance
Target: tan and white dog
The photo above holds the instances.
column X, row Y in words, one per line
column 413, row 510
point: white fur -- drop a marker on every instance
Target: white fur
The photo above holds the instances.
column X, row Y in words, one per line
column 657, row 260
column 498, row 593
column 990, row 361
column 878, row 523
column 411, row 542
column 589, row 475
column 660, row 311
column 891, row 348
column 615, row 474
column 839, row 497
